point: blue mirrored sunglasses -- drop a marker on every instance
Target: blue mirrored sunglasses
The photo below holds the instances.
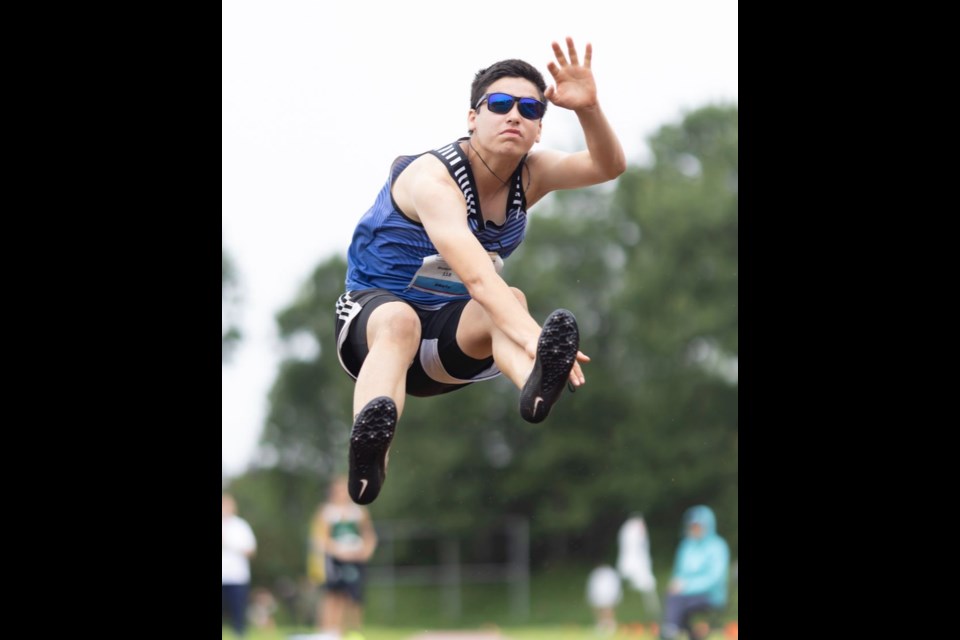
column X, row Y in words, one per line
column 501, row 103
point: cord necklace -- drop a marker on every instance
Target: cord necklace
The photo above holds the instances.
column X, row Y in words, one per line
column 502, row 181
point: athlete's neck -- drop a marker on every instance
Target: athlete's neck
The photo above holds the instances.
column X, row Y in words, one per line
column 503, row 182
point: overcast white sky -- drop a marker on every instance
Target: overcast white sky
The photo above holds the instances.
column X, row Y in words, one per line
column 319, row 97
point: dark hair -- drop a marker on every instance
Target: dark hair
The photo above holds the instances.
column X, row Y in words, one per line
column 505, row 69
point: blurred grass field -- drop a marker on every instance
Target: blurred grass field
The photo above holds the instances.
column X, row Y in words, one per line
column 557, row 611
column 507, row 633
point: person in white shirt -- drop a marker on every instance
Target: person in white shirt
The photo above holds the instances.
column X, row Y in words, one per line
column 238, row 544
column 634, row 563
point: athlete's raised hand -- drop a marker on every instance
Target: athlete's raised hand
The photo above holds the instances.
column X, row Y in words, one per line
column 575, row 87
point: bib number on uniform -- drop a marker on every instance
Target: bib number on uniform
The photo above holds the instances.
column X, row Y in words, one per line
column 436, row 276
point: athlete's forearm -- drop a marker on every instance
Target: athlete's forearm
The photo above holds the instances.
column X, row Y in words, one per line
column 604, row 146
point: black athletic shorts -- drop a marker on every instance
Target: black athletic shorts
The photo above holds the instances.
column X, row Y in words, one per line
column 439, row 366
column 345, row 577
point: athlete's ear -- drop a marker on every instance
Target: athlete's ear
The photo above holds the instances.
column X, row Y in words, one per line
column 472, row 121
column 539, row 130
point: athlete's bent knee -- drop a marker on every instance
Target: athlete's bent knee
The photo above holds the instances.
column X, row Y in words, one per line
column 520, row 295
column 394, row 323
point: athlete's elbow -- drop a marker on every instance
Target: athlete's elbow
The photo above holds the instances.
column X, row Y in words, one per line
column 618, row 165
column 476, row 288
column 480, row 289
column 610, row 168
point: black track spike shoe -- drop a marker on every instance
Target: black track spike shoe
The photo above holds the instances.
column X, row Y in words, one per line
column 556, row 353
column 369, row 442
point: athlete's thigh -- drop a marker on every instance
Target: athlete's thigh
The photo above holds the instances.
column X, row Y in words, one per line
column 355, row 309
column 474, row 328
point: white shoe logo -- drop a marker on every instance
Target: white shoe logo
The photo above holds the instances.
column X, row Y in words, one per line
column 363, row 488
column 536, row 403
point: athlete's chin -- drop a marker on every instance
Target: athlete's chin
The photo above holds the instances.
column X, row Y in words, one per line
column 512, row 143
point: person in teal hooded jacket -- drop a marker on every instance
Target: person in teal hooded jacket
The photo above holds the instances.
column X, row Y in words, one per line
column 700, row 571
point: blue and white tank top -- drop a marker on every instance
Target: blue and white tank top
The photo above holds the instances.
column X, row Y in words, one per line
column 390, row 251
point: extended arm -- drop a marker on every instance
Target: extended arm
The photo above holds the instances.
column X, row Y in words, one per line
column 442, row 210
column 603, row 160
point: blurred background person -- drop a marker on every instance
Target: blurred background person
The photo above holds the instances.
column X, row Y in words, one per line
column 342, row 541
column 604, row 594
column 238, row 544
column 634, row 563
column 699, row 579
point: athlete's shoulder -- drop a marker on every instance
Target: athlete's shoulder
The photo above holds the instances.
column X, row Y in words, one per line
column 434, row 166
